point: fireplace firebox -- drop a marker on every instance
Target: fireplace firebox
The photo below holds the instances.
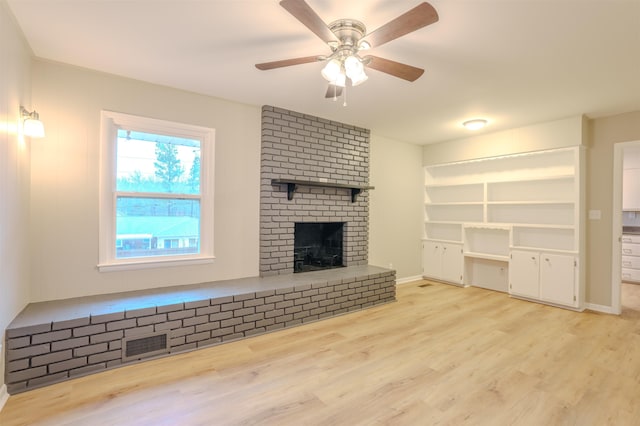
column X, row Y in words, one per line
column 317, row 245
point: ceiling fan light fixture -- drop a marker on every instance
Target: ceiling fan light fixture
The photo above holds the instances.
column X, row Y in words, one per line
column 340, row 80
column 332, row 70
column 359, row 78
column 475, row 124
column 364, row 45
column 355, row 70
column 352, row 65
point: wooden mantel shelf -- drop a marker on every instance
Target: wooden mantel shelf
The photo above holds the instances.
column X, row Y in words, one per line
column 292, row 185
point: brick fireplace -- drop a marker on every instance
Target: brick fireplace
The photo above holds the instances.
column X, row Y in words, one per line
column 299, row 147
column 321, row 170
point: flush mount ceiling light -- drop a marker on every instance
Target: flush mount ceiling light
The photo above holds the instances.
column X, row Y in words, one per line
column 475, row 124
column 31, row 126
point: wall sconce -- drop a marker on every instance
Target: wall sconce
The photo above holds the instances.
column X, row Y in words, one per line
column 31, row 126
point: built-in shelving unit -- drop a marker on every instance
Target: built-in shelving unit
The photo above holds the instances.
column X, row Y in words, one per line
column 492, row 207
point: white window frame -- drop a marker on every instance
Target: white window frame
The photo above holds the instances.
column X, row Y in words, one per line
column 110, row 122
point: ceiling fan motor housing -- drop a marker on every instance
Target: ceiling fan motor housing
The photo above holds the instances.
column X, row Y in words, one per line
column 348, row 32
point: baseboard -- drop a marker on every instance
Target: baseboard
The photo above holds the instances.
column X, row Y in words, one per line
column 4, row 396
column 600, row 308
column 408, row 279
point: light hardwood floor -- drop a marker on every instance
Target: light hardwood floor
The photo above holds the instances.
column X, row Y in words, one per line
column 441, row 355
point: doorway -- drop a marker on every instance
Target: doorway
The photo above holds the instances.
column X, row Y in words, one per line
column 629, row 298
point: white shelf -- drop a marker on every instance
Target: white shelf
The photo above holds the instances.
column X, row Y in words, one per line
column 443, row 231
column 454, row 193
column 455, row 213
column 486, row 256
column 546, row 250
column 519, row 167
column 489, row 241
column 529, row 203
column 550, row 238
column 457, row 203
column 540, row 213
column 539, row 189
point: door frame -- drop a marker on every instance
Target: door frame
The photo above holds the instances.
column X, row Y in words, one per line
column 616, row 224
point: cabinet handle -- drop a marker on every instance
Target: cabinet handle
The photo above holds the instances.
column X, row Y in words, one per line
column 628, row 251
column 546, row 259
column 533, row 258
column 627, row 263
column 626, row 240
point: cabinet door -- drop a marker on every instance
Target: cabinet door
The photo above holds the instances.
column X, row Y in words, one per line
column 452, row 263
column 432, row 259
column 631, row 189
column 557, row 279
column 524, row 274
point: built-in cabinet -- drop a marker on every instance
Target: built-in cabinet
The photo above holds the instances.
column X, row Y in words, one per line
column 443, row 261
column 545, row 276
column 517, row 219
column 631, row 257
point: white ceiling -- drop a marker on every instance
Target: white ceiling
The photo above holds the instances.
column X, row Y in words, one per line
column 513, row 62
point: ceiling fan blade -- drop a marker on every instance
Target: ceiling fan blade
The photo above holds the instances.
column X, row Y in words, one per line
column 288, row 62
column 420, row 16
column 333, row 91
column 303, row 13
column 396, row 69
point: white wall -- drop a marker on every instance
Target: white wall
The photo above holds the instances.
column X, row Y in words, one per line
column 64, row 181
column 395, row 206
column 536, row 137
column 15, row 90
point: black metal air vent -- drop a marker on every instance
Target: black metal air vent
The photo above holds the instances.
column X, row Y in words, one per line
column 144, row 346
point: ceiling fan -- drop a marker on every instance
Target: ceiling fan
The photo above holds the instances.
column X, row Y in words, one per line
column 347, row 38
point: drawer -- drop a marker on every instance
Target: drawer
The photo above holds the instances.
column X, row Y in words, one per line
column 630, row 274
column 631, row 262
column 630, row 249
column 627, row 238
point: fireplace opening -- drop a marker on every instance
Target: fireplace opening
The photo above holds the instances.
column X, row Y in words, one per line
column 317, row 246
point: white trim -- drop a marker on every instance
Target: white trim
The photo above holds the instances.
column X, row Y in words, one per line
column 616, row 225
column 4, row 396
column 155, row 263
column 600, row 308
column 408, row 280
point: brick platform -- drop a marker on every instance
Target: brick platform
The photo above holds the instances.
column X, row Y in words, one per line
column 50, row 342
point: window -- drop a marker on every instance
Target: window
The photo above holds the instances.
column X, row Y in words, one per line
column 156, row 192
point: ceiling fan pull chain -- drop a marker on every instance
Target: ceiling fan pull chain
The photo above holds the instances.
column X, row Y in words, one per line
column 344, row 97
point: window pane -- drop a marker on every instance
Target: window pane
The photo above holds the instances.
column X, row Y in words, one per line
column 156, row 227
column 148, row 162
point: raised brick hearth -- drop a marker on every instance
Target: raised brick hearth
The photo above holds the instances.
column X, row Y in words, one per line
column 54, row 341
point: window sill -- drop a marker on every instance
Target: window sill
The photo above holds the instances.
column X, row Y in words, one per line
column 131, row 265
